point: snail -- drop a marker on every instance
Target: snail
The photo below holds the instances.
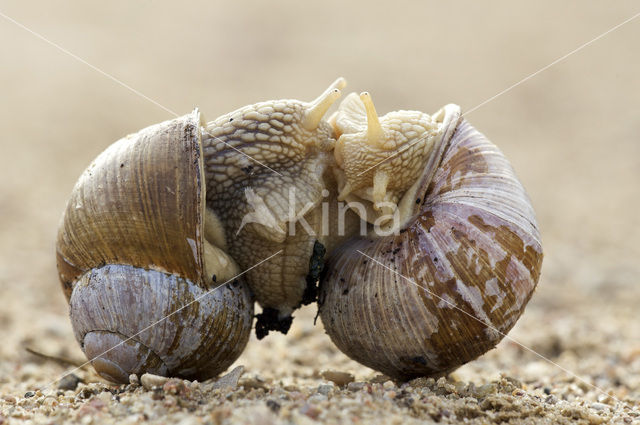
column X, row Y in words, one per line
column 162, row 218
column 448, row 277
column 139, row 257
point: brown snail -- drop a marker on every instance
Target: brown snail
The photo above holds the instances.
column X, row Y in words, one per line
column 155, row 223
column 163, row 243
column 452, row 274
column 135, row 245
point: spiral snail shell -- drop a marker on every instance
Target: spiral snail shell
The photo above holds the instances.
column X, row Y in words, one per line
column 136, row 257
column 455, row 274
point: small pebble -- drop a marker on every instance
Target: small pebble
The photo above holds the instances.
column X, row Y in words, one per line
column 325, row 389
column 379, row 379
column 105, row 397
column 149, row 381
column 230, row 380
column 337, row 377
column 355, row 386
column 551, row 399
column 311, row 411
column 484, row 390
column 253, row 382
column 133, row 379
column 69, row 382
column 317, row 398
column 598, row 406
column 273, row 405
column 29, row 394
column 176, row 386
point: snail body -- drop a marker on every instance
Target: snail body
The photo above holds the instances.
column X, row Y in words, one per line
column 453, row 278
column 265, row 165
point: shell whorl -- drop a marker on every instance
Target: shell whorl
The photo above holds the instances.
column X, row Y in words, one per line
column 149, row 321
column 140, row 203
column 452, row 282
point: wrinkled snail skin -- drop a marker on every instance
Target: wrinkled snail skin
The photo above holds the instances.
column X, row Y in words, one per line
column 453, row 281
column 265, row 166
column 131, row 250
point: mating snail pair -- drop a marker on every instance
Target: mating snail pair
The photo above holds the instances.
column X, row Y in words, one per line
column 254, row 201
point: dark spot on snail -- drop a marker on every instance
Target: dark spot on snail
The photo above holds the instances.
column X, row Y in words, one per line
column 69, row 382
column 214, row 278
column 269, row 320
column 316, row 265
column 427, row 221
column 248, row 169
column 420, row 360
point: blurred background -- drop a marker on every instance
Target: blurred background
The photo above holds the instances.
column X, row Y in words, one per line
column 572, row 133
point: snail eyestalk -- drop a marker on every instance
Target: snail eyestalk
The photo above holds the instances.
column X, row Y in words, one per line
column 375, row 133
column 319, row 107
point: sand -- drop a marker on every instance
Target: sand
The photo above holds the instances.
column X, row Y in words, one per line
column 572, row 133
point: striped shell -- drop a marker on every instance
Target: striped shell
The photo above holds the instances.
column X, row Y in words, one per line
column 453, row 281
column 131, row 251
